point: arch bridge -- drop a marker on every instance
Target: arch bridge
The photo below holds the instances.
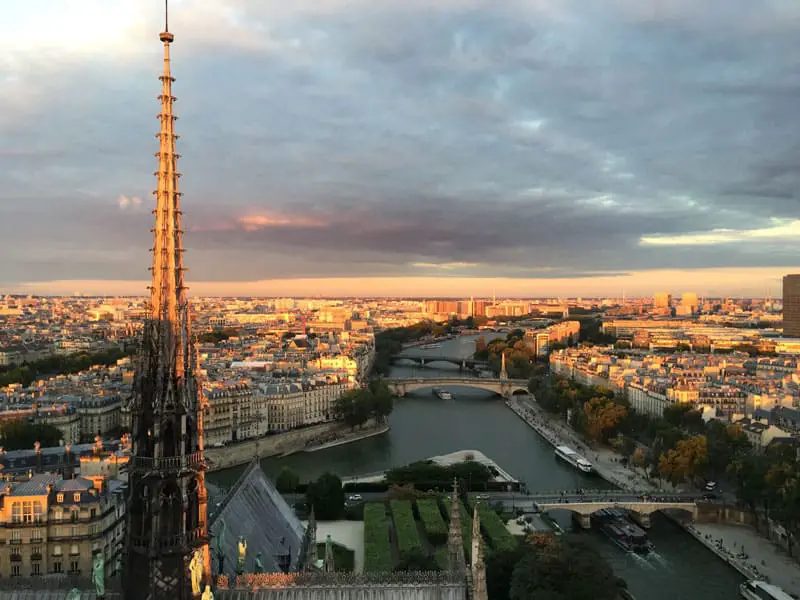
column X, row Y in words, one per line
column 640, row 508
column 503, row 387
column 461, row 362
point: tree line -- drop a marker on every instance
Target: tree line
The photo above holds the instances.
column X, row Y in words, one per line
column 358, row 406
column 60, row 364
column 681, row 447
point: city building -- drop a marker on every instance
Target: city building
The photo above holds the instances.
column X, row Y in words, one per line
column 791, row 306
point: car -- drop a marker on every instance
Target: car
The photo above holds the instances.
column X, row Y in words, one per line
column 355, row 498
column 711, row 486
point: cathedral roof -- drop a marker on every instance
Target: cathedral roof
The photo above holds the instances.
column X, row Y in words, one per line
column 255, row 510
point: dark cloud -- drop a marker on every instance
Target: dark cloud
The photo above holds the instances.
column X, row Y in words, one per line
column 517, row 141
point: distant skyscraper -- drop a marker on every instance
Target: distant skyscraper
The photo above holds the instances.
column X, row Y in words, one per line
column 662, row 300
column 791, row 306
column 166, row 519
column 689, row 300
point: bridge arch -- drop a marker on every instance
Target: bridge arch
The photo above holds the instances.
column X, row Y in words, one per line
column 504, row 388
column 640, row 511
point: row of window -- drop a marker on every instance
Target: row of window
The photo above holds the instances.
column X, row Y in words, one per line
column 36, row 568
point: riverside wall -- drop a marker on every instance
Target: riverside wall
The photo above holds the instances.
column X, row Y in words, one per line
column 281, row 444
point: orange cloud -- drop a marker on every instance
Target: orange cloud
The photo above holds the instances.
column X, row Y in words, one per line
column 257, row 222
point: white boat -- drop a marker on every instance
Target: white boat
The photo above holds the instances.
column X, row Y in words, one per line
column 761, row 590
column 569, row 455
column 442, row 394
column 430, row 346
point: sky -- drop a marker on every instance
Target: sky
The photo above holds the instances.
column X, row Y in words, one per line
column 455, row 147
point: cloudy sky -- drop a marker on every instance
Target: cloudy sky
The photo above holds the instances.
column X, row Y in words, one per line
column 407, row 146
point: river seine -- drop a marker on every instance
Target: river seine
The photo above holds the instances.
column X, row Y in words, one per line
column 424, row 426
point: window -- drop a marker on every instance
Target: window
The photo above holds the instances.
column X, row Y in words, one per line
column 37, row 512
column 36, row 568
column 76, row 497
column 73, row 566
column 57, row 550
column 27, row 512
column 16, row 512
column 15, row 570
column 93, row 513
column 59, row 497
column 36, row 553
column 73, row 549
column 57, row 566
column 58, row 513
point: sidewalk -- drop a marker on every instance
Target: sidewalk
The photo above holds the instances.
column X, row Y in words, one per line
column 605, row 461
column 764, row 560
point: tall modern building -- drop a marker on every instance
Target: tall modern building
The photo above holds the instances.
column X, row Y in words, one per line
column 166, row 521
column 662, row 300
column 791, row 306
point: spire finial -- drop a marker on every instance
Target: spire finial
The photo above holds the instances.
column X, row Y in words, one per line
column 166, row 36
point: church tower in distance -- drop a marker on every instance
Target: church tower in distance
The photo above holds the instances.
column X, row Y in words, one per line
column 166, row 504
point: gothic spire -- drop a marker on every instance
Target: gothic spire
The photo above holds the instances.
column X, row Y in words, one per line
column 478, row 566
column 167, row 292
column 455, row 543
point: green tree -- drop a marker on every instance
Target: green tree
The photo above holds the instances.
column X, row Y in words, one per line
column 603, row 415
column 499, row 569
column 22, row 435
column 326, row 497
column 287, row 481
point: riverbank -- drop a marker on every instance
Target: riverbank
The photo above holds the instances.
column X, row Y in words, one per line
column 355, row 436
column 285, row 444
column 766, row 561
column 605, row 463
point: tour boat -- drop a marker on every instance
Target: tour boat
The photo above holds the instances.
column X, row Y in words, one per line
column 761, row 590
column 576, row 460
column 622, row 531
column 442, row 394
column 430, row 346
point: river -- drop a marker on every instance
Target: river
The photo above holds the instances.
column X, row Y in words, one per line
column 424, row 426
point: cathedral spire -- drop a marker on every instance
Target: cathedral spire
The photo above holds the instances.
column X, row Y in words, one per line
column 167, row 521
column 455, row 543
column 477, row 564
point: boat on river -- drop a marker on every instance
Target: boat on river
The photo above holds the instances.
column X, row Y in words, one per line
column 430, row 347
column 621, row 530
column 761, row 590
column 569, row 455
column 442, row 394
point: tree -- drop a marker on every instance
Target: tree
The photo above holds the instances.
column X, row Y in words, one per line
column 603, row 415
column 326, row 497
column 22, row 435
column 638, row 458
column 685, row 460
column 287, row 481
column 499, row 569
column 567, row 569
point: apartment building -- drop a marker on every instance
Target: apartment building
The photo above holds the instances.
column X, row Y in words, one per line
column 52, row 525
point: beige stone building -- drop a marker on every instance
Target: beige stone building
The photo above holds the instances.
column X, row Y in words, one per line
column 51, row 525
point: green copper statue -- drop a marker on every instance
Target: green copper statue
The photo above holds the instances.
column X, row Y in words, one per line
column 259, row 568
column 219, row 547
column 74, row 594
column 99, row 575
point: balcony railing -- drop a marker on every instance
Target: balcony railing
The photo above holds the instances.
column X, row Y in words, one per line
column 167, row 463
column 173, row 541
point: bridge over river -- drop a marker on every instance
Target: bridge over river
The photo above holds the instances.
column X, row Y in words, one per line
column 503, row 387
column 584, row 505
column 424, row 360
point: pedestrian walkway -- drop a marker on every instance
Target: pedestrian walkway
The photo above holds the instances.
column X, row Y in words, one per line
column 764, row 560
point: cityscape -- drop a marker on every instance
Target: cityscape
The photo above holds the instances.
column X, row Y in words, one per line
column 459, row 383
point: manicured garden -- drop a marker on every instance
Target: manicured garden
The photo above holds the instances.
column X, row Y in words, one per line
column 412, row 534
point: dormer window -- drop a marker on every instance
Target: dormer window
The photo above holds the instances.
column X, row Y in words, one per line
column 59, row 497
column 76, row 497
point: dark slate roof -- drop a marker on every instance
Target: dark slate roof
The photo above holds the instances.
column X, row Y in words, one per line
column 254, row 509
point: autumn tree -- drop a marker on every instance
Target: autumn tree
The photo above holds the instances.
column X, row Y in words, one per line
column 685, row 460
column 603, row 415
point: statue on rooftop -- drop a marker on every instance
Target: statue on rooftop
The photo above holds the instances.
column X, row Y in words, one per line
column 196, row 572
column 74, row 594
column 99, row 575
column 259, row 568
column 207, row 594
column 219, row 547
column 242, row 547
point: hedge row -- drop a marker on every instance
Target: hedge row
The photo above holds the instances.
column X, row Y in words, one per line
column 494, row 528
column 405, row 527
column 432, row 521
column 377, row 545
